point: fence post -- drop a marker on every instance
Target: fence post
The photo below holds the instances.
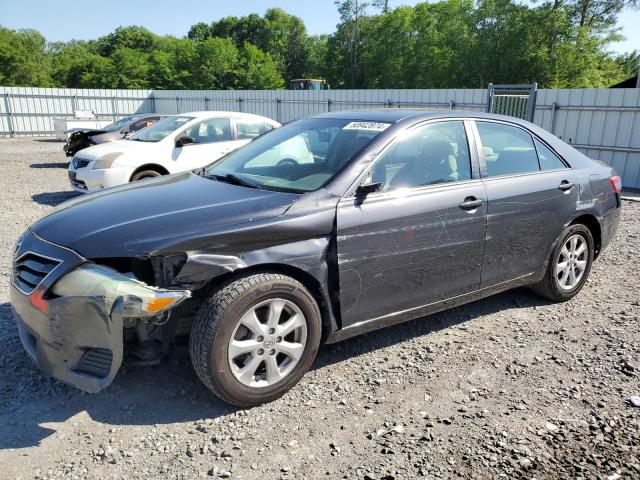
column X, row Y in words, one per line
column 387, row 103
column 278, row 116
column 206, row 103
column 489, row 97
column 74, row 104
column 328, row 104
column 451, row 104
column 114, row 110
column 177, row 104
column 554, row 110
column 153, row 102
column 7, row 106
column 239, row 104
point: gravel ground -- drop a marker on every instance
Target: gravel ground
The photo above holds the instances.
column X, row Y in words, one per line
column 507, row 387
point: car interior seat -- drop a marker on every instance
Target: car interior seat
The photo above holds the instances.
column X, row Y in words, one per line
column 345, row 149
column 435, row 163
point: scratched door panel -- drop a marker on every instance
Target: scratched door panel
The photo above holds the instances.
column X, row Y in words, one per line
column 525, row 216
column 407, row 248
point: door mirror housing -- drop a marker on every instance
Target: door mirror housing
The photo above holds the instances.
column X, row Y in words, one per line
column 185, row 140
column 367, row 188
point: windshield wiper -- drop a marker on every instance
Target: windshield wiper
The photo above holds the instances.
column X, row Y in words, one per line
column 234, row 179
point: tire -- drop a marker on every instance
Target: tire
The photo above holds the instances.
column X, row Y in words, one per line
column 551, row 285
column 145, row 174
column 287, row 161
column 220, row 320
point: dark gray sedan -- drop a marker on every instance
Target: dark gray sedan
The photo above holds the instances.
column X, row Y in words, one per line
column 81, row 138
column 260, row 258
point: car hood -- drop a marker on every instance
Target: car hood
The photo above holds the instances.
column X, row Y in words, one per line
column 152, row 215
column 83, row 130
column 125, row 146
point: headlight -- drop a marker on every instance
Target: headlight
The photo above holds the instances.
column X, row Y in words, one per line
column 105, row 161
column 140, row 300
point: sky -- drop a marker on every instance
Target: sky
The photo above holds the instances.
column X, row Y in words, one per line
column 66, row 19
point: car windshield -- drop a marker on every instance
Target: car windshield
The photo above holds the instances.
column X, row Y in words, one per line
column 299, row 157
column 118, row 124
column 160, row 130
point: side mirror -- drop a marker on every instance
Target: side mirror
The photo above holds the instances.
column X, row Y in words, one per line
column 367, row 188
column 186, row 140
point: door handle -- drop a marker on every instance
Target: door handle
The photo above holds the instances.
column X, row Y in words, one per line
column 565, row 186
column 470, row 203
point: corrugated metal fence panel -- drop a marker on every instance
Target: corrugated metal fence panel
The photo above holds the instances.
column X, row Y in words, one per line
column 603, row 123
column 30, row 111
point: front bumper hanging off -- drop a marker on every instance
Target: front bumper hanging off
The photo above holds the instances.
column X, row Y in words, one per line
column 78, row 340
column 70, row 312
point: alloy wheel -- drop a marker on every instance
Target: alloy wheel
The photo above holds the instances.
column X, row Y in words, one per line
column 267, row 343
column 572, row 262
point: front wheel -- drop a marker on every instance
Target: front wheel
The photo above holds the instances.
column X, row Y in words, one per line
column 254, row 338
column 569, row 265
column 145, row 174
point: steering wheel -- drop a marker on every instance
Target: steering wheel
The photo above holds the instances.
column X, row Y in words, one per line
column 287, row 161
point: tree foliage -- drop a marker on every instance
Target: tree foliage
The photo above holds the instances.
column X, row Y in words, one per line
column 441, row 44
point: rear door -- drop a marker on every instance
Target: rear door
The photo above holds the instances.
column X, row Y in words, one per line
column 420, row 239
column 531, row 194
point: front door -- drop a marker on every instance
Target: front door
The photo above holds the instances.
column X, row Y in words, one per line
column 213, row 139
column 420, row 239
column 531, row 194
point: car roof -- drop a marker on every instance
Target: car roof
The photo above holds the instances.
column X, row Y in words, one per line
column 394, row 115
column 219, row 113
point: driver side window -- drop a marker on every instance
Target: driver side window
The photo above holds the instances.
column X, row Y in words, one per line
column 210, row 131
column 432, row 154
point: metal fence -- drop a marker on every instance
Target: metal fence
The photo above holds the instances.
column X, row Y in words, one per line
column 515, row 100
column 602, row 123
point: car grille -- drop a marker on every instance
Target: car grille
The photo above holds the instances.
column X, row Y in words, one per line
column 30, row 269
column 96, row 362
column 80, row 162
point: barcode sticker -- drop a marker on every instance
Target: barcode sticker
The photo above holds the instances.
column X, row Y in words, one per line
column 371, row 126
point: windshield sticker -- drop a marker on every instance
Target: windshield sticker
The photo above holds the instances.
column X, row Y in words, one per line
column 371, row 126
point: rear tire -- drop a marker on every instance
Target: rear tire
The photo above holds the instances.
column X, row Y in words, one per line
column 145, row 174
column 226, row 324
column 569, row 265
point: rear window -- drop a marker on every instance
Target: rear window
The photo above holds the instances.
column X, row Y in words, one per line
column 507, row 149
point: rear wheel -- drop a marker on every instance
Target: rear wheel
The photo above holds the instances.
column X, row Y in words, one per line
column 569, row 265
column 255, row 338
column 145, row 174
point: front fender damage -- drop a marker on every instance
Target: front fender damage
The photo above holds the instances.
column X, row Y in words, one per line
column 312, row 257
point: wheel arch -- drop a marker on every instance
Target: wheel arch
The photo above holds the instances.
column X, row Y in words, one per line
column 149, row 166
column 591, row 222
column 311, row 283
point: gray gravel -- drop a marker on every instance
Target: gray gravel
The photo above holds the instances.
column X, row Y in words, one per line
column 511, row 387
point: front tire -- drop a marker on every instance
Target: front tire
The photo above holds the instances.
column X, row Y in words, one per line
column 145, row 174
column 255, row 337
column 569, row 265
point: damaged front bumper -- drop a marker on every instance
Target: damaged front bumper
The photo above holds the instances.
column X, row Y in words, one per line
column 76, row 340
column 70, row 312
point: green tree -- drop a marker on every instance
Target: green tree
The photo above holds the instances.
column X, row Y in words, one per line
column 23, row 60
column 214, row 65
column 257, row 70
column 132, row 37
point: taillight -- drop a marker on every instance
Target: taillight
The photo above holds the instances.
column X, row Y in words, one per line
column 616, row 183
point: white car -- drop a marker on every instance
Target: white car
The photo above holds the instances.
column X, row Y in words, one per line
column 175, row 144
